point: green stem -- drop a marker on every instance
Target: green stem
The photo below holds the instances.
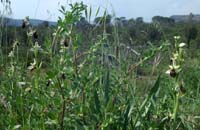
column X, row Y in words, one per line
column 176, row 106
column 37, row 71
column 21, row 105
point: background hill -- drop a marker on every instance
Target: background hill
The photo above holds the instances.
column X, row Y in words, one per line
column 34, row 22
column 186, row 18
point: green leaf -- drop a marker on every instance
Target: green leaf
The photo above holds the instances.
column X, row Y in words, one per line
column 97, row 12
column 97, row 102
column 153, row 90
column 63, row 8
column 106, row 87
column 90, row 13
column 125, row 124
column 86, row 13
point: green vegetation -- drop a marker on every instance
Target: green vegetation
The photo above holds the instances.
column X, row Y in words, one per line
column 109, row 75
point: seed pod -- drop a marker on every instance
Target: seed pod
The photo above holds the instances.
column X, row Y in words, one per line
column 183, row 90
column 173, row 73
column 171, row 61
column 63, row 76
column 50, row 105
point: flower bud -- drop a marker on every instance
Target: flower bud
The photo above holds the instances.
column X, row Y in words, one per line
column 183, row 90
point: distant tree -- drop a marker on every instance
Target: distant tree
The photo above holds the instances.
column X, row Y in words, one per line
column 83, row 20
column 191, row 33
column 191, row 30
column 190, row 18
column 98, row 21
column 162, row 20
column 139, row 20
column 132, row 29
column 103, row 20
column 108, row 19
column 83, row 23
column 131, row 22
column 117, row 22
column 124, row 21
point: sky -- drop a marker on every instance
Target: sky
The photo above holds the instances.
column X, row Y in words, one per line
column 48, row 9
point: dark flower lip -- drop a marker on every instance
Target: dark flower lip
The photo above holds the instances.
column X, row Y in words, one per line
column 23, row 24
column 173, row 73
column 63, row 76
column 48, row 83
column 64, row 42
column 35, row 35
column 32, row 69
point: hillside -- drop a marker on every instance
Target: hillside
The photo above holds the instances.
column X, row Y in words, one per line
column 34, row 22
column 185, row 18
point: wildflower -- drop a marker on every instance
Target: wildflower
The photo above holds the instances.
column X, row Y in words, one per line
column 16, row 43
column 173, row 70
column 16, row 127
column 48, row 82
column 21, row 84
column 177, row 37
column 11, row 54
column 52, row 94
column 175, row 56
column 33, row 33
column 182, row 45
column 36, row 47
column 81, row 65
column 28, row 89
column 25, row 22
column 64, row 42
column 32, row 66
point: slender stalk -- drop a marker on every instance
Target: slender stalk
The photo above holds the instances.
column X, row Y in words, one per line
column 54, row 41
column 63, row 115
column 21, row 105
column 63, row 106
column 176, row 106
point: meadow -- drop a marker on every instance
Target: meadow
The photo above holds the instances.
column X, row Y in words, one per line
column 79, row 75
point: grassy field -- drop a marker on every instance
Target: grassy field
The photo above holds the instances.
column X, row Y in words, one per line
column 64, row 85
